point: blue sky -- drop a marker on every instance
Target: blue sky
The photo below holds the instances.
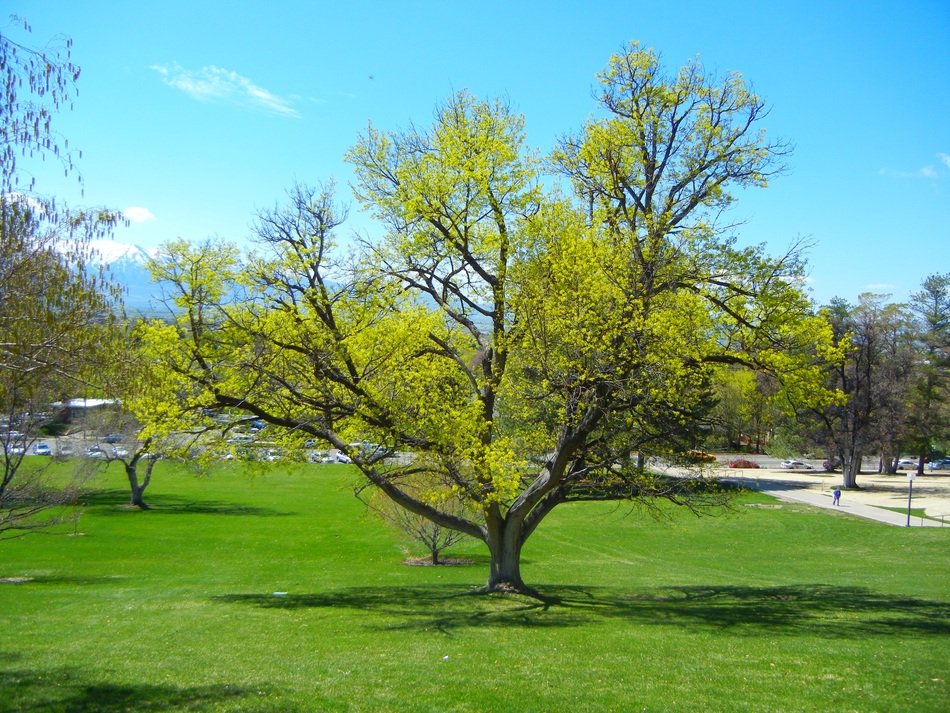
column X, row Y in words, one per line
column 194, row 115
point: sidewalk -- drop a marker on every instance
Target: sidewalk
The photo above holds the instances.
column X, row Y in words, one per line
column 808, row 490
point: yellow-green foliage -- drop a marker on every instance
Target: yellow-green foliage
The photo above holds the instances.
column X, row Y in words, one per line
column 499, row 334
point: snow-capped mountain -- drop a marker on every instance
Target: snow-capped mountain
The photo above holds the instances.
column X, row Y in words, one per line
column 111, row 252
column 127, row 265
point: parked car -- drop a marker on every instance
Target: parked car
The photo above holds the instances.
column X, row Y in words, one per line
column 42, row 449
column 113, row 438
column 796, row 465
column 940, row 464
column 16, row 449
column 698, row 456
column 907, row 463
column 332, row 456
column 743, row 463
column 120, row 452
column 95, row 452
column 270, row 455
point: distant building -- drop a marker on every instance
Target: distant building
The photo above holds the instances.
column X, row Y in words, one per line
column 77, row 408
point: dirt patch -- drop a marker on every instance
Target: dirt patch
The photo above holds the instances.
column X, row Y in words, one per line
column 443, row 562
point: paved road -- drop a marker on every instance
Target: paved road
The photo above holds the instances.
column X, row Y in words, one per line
column 793, row 491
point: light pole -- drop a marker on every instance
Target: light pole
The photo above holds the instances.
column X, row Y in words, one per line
column 910, row 493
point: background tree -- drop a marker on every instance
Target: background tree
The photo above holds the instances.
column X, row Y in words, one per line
column 892, row 385
column 123, row 444
column 54, row 318
column 928, row 405
column 872, row 380
column 161, row 416
column 54, row 309
column 433, row 537
column 744, row 415
column 515, row 346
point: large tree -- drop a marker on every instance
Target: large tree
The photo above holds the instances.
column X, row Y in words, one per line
column 514, row 347
column 54, row 319
column 159, row 416
column 54, row 308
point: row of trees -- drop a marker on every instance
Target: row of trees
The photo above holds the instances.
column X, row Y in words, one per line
column 893, row 389
column 527, row 346
column 895, row 381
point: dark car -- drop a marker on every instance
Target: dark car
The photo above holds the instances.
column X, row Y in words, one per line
column 113, row 438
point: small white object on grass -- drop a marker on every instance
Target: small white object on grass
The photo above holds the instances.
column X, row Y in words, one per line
column 445, row 658
column 280, row 594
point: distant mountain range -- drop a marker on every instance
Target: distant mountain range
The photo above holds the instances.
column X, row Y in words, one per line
column 110, row 252
column 128, row 266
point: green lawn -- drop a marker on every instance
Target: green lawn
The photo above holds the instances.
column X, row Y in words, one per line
column 771, row 608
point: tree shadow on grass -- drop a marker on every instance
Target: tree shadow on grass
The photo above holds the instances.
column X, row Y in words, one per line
column 65, row 691
column 822, row 610
column 116, row 502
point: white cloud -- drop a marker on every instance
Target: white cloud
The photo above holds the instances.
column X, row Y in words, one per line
column 137, row 214
column 213, row 83
column 879, row 287
column 944, row 158
column 922, row 172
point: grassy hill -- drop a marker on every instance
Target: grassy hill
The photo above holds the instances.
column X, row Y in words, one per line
column 276, row 591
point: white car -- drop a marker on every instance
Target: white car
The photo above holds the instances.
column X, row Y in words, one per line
column 795, row 465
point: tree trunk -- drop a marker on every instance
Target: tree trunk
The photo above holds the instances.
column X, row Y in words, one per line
column 888, row 462
column 138, row 490
column 504, row 574
column 850, row 470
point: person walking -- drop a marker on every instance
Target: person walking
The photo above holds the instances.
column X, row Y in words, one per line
column 837, row 498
